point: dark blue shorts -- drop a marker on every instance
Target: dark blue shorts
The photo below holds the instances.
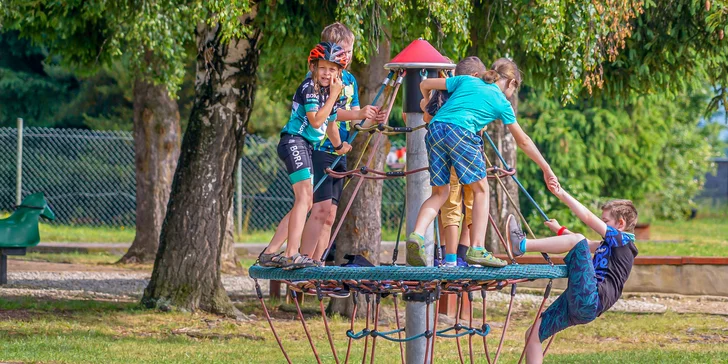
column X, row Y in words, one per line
column 579, row 304
column 448, row 146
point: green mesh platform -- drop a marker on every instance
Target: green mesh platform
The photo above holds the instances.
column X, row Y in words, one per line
column 426, row 274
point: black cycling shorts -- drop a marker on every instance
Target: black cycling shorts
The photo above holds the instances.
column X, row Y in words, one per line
column 332, row 187
column 295, row 152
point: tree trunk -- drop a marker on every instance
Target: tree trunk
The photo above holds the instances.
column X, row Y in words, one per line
column 362, row 230
column 500, row 205
column 229, row 259
column 156, row 150
column 187, row 267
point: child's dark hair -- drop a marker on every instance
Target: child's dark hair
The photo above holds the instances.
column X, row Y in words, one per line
column 470, row 65
column 505, row 68
column 623, row 209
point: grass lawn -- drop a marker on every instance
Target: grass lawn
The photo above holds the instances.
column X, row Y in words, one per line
column 94, row 331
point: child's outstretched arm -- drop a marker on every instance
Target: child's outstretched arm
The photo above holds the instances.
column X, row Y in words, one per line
column 583, row 213
column 526, row 144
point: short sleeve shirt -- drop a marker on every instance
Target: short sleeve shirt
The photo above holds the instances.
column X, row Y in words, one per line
column 306, row 99
column 473, row 104
column 613, row 262
column 349, row 99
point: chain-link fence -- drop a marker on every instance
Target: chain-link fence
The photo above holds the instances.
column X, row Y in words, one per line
column 88, row 178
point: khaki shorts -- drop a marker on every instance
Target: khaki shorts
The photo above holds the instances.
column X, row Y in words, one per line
column 452, row 211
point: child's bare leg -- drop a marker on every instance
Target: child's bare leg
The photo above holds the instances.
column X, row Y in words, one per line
column 534, row 352
column 481, row 207
column 465, row 236
column 314, row 226
column 303, row 192
column 325, row 237
column 430, row 207
column 279, row 237
column 553, row 244
column 416, row 255
column 451, row 239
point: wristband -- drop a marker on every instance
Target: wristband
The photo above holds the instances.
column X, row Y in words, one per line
column 561, row 231
column 339, row 147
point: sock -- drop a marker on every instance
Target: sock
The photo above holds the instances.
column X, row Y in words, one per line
column 451, row 258
column 442, row 251
column 462, row 250
column 478, row 248
column 523, row 246
column 450, row 264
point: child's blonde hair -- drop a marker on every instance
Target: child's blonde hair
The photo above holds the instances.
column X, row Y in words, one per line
column 505, row 68
column 623, row 209
column 337, row 33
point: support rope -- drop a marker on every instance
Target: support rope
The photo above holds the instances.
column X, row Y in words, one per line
column 483, row 294
column 270, row 321
column 376, row 325
column 546, row 294
column 355, row 299
column 399, row 332
column 505, row 324
column 320, row 296
column 305, row 327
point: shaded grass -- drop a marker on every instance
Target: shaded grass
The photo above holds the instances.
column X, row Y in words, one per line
column 92, row 331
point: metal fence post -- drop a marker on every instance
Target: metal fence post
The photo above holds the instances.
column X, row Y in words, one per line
column 239, row 206
column 19, row 165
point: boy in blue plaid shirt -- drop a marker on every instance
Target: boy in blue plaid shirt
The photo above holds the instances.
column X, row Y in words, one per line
column 452, row 142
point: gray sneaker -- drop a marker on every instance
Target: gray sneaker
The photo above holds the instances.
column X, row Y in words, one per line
column 515, row 236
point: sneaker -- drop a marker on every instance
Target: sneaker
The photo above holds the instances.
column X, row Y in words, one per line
column 272, row 260
column 484, row 258
column 298, row 261
column 437, row 262
column 416, row 256
column 462, row 263
column 515, row 236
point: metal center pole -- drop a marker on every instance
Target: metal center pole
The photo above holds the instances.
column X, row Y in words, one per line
column 418, row 190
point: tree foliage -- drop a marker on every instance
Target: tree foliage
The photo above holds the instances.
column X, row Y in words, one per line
column 652, row 152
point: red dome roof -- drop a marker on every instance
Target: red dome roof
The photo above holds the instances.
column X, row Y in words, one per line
column 419, row 51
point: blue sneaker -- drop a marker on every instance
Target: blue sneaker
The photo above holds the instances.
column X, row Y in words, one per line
column 462, row 263
column 436, row 262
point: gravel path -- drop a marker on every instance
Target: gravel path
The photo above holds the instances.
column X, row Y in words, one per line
column 106, row 285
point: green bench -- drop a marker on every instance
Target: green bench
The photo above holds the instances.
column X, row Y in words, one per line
column 20, row 231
